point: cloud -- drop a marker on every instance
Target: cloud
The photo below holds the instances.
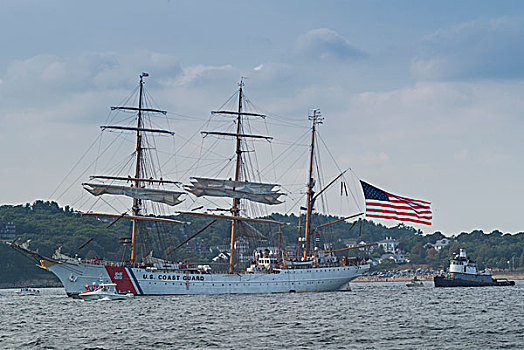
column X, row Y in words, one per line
column 481, row 49
column 199, row 75
column 324, row 44
column 52, row 74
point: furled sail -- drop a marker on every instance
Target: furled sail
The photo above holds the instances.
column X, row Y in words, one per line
column 253, row 191
column 155, row 195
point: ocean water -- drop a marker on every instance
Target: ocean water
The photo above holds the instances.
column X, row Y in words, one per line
column 371, row 316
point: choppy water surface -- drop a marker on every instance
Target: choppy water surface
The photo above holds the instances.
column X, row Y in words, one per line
column 371, row 316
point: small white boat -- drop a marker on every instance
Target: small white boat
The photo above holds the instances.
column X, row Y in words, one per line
column 103, row 291
column 28, row 291
column 415, row 282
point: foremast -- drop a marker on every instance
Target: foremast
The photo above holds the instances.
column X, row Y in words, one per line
column 138, row 150
column 137, row 190
column 238, row 163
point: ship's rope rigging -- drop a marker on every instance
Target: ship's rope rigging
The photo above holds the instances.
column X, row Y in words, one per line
column 249, row 162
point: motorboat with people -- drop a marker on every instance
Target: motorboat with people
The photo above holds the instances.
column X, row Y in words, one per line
column 463, row 272
column 28, row 291
column 103, row 291
column 415, row 282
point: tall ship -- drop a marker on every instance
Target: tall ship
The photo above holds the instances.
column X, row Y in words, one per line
column 463, row 272
column 270, row 270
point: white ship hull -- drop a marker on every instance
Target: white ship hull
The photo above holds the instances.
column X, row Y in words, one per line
column 142, row 281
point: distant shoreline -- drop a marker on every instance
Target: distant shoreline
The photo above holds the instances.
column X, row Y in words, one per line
column 31, row 284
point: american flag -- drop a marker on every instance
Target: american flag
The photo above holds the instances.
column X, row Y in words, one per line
column 384, row 205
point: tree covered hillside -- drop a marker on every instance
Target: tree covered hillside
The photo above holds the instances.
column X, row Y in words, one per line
column 49, row 226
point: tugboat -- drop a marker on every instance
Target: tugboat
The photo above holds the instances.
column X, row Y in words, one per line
column 463, row 272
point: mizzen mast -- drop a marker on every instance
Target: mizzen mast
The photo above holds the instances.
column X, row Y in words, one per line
column 315, row 118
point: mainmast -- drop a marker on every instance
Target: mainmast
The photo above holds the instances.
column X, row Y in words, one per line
column 237, row 188
column 136, row 201
column 316, row 118
column 236, row 201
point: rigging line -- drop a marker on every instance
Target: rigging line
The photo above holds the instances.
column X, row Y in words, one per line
column 291, row 165
column 338, row 168
column 234, row 95
column 184, row 116
column 350, row 191
column 256, row 170
column 75, row 181
column 196, row 163
column 277, row 142
column 154, row 143
column 188, row 140
column 274, row 116
column 123, row 102
column 288, row 149
column 278, row 122
column 296, row 202
column 74, row 166
column 119, row 166
column 330, row 154
column 211, row 165
column 82, row 199
column 271, row 151
column 97, row 200
column 321, row 177
column 150, row 101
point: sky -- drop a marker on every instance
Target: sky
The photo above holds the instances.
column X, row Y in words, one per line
column 423, row 99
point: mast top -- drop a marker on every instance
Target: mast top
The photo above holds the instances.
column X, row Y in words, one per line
column 316, row 116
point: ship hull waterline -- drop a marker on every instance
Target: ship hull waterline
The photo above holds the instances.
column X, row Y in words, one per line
column 446, row 282
column 143, row 281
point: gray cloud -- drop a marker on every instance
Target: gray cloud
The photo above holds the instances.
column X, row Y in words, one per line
column 481, row 49
column 48, row 80
column 325, row 44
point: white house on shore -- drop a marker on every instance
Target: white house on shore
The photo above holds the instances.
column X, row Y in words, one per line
column 438, row 245
column 389, row 245
column 398, row 258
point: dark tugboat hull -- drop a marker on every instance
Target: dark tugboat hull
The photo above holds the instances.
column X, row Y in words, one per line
column 442, row 281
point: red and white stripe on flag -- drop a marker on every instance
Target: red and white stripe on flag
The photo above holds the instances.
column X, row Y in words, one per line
column 384, row 205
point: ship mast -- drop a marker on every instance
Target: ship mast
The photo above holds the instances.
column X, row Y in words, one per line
column 316, row 118
column 236, row 201
column 137, row 202
column 236, row 188
column 138, row 190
